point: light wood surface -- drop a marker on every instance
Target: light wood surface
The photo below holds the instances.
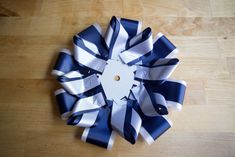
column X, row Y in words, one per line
column 33, row 31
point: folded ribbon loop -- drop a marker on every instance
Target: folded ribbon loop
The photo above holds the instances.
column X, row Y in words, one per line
column 140, row 46
column 126, row 120
column 82, row 100
column 119, row 31
column 160, row 70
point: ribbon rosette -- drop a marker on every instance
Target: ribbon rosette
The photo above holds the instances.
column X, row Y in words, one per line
column 82, row 100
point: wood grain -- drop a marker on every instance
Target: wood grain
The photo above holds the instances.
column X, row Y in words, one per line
column 33, row 31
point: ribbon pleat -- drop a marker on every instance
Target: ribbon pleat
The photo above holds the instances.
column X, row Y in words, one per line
column 65, row 102
column 66, row 63
column 160, row 70
column 153, row 127
column 82, row 100
column 92, row 34
column 118, row 34
column 126, row 120
column 138, row 48
column 100, row 134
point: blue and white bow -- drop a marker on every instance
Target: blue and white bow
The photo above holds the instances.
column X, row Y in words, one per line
column 82, row 101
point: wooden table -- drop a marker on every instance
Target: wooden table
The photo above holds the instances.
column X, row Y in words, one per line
column 33, row 31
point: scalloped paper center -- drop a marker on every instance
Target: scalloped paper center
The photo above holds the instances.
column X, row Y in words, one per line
column 117, row 80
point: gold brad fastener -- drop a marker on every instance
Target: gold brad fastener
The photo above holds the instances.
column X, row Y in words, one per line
column 117, row 78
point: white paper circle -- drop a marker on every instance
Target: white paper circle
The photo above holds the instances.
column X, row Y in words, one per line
column 117, row 89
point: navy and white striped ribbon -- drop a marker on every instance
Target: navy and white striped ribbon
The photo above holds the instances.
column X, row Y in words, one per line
column 160, row 70
column 82, row 100
column 126, row 120
column 119, row 32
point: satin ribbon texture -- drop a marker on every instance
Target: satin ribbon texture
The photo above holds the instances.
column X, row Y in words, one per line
column 82, row 101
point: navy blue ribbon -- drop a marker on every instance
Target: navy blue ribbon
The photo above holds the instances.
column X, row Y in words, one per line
column 82, row 100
